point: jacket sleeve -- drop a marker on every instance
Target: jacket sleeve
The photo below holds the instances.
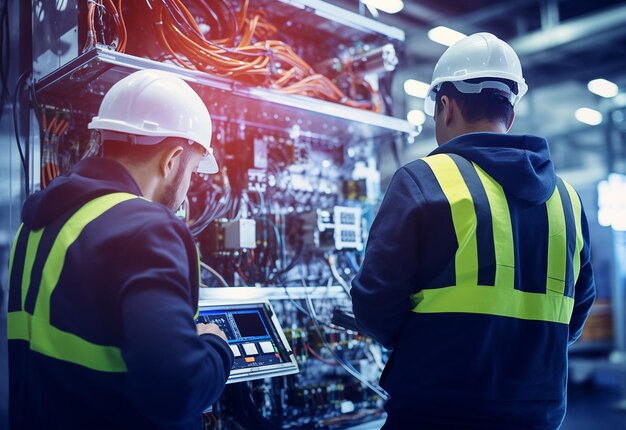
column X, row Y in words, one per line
column 584, row 290
column 381, row 290
column 173, row 374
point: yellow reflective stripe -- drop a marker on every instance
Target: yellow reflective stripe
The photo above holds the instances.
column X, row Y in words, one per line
column 577, row 209
column 463, row 217
column 52, row 342
column 31, row 252
column 502, row 230
column 12, row 254
column 557, row 246
column 68, row 234
column 489, row 300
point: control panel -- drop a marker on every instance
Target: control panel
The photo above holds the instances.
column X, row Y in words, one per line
column 255, row 338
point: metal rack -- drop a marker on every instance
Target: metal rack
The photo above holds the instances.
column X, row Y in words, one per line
column 326, row 17
column 272, row 293
column 92, row 73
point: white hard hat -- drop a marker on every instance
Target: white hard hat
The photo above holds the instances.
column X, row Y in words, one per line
column 481, row 55
column 150, row 105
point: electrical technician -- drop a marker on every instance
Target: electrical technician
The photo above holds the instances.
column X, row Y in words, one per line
column 104, row 278
column 477, row 270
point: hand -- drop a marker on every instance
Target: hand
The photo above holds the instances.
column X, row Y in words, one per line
column 212, row 329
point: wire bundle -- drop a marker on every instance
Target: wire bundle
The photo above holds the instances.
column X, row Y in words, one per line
column 52, row 131
column 98, row 8
column 217, row 200
column 235, row 43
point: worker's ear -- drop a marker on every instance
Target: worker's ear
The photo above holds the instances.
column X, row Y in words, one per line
column 508, row 127
column 169, row 160
column 447, row 111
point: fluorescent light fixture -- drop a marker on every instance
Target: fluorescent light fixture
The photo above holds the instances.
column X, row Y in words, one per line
column 612, row 202
column 416, row 88
column 588, row 116
column 416, row 117
column 445, row 36
column 603, row 88
column 387, row 6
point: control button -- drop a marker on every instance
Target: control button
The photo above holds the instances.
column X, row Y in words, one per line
column 235, row 350
column 266, row 347
column 249, row 359
column 250, row 349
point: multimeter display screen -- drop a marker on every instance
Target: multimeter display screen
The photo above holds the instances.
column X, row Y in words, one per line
column 249, row 336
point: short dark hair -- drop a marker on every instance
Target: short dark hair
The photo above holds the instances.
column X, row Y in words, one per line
column 136, row 153
column 490, row 104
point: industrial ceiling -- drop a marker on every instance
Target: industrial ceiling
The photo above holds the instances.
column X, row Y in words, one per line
column 562, row 45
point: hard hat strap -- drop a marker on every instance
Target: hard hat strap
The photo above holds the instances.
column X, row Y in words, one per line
column 133, row 139
column 469, row 88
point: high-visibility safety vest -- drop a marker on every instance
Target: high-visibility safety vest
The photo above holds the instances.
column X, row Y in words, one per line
column 36, row 328
column 565, row 243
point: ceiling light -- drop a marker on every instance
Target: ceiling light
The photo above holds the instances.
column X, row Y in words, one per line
column 612, row 202
column 416, row 88
column 416, row 117
column 603, row 88
column 620, row 99
column 387, row 6
column 588, row 116
column 445, row 36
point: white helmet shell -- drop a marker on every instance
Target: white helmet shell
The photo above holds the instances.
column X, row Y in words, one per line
column 481, row 55
column 154, row 103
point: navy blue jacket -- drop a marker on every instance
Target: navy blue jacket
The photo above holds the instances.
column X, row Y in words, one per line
column 131, row 281
column 454, row 370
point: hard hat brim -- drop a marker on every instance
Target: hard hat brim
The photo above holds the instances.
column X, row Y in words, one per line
column 429, row 101
column 208, row 165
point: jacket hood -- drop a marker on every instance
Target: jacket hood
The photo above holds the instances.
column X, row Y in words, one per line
column 520, row 164
column 90, row 178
